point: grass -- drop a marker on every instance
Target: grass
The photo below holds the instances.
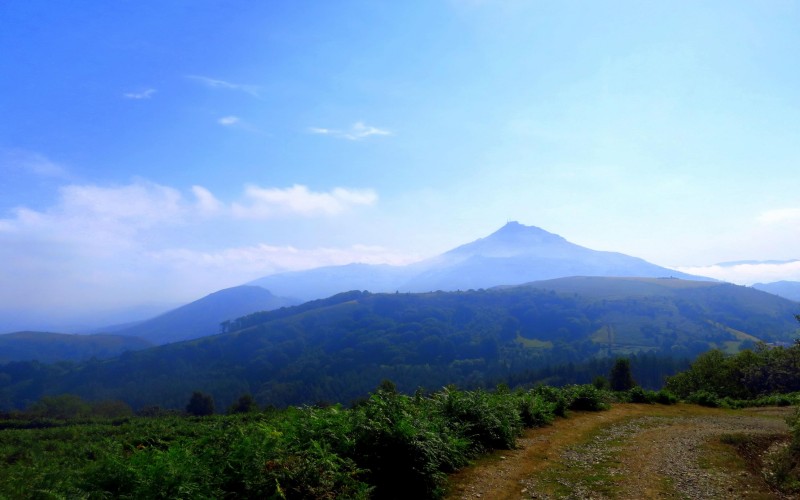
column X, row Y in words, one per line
column 739, row 454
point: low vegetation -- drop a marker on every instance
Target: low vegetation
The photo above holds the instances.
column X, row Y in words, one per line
column 387, row 445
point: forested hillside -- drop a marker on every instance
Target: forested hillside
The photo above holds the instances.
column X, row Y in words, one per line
column 49, row 347
column 337, row 349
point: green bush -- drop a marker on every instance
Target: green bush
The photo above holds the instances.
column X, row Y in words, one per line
column 560, row 398
column 586, row 398
column 665, row 397
column 406, row 446
column 490, row 421
column 534, row 410
column 639, row 395
column 706, row 398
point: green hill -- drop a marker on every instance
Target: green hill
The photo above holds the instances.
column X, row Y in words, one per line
column 339, row 348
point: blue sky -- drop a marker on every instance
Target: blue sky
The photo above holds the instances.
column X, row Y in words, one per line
column 153, row 152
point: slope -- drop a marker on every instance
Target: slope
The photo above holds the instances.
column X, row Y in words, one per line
column 339, row 348
column 786, row 289
column 47, row 347
column 204, row 316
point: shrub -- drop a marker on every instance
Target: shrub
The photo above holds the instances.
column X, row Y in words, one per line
column 534, row 410
column 406, row 448
column 490, row 420
column 587, row 398
column 665, row 397
column 705, row 398
column 560, row 398
column 639, row 395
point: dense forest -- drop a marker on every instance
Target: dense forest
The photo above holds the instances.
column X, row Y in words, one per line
column 337, row 349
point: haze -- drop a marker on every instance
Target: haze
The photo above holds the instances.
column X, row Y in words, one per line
column 154, row 152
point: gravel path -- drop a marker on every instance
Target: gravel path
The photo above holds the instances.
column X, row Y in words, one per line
column 634, row 451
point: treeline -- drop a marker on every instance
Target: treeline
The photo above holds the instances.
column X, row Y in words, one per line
column 719, row 379
column 310, row 386
column 650, row 370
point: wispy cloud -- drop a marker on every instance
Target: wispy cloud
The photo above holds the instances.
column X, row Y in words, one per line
column 356, row 132
column 108, row 213
column 263, row 259
column 30, row 162
column 780, row 215
column 228, row 121
column 145, row 94
column 298, row 199
column 252, row 90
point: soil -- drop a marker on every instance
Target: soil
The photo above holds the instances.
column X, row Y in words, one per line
column 634, row 451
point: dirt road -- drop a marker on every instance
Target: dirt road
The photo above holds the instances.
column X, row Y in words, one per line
column 630, row 451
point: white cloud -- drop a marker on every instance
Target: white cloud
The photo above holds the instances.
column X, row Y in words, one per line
column 321, row 131
column 126, row 209
column 248, row 262
column 356, row 132
column 252, row 90
column 748, row 273
column 206, row 201
column 97, row 220
column 30, row 162
column 267, row 202
column 227, row 121
column 145, row 94
column 113, row 246
column 780, row 215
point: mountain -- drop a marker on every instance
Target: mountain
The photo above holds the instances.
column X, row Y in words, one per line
column 517, row 254
column 326, row 281
column 512, row 255
column 204, row 316
column 787, row 289
column 47, row 347
column 339, row 348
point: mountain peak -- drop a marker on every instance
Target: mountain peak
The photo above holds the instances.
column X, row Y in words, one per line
column 512, row 239
column 521, row 233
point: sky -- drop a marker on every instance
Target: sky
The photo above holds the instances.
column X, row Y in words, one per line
column 154, row 152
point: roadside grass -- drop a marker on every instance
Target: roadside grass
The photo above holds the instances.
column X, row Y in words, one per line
column 740, row 456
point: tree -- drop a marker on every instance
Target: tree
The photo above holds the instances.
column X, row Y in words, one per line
column 600, row 382
column 200, row 404
column 64, row 406
column 620, row 377
column 245, row 404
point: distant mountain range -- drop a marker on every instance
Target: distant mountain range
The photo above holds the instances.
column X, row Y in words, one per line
column 204, row 316
column 512, row 255
column 336, row 349
column 786, row 289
